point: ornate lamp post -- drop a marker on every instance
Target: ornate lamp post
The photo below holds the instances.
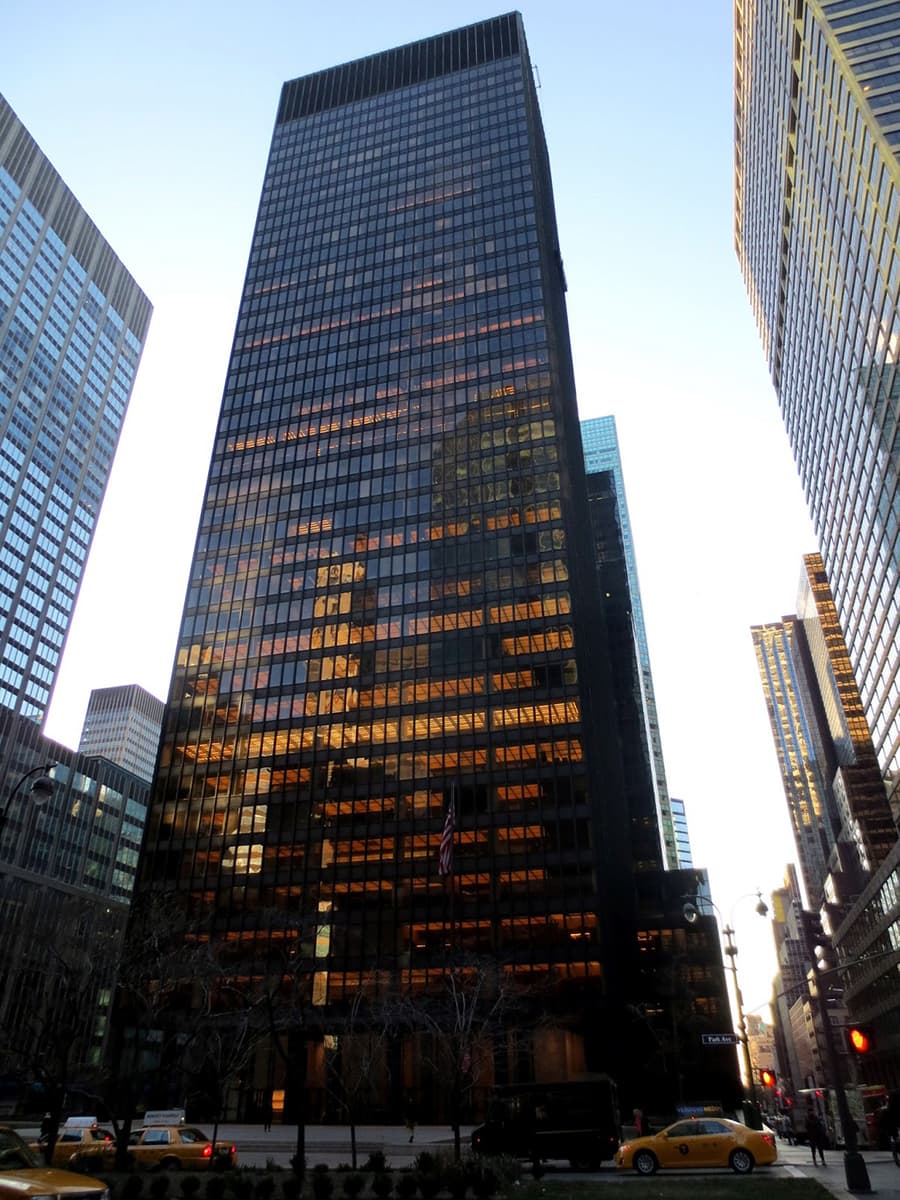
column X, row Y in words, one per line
column 692, row 914
column 41, row 790
column 855, row 1171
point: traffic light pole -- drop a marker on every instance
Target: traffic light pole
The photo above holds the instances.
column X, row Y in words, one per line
column 855, row 1170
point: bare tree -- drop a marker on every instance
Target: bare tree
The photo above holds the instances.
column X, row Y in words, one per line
column 356, row 1059
column 458, row 1023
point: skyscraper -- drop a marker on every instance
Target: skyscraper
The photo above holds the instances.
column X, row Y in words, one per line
column 836, row 798
column 601, row 453
column 67, row 870
column 123, row 724
column 72, row 326
column 844, row 831
column 393, row 611
column 817, row 194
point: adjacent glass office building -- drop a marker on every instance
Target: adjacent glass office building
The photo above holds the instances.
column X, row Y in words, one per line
column 817, row 205
column 601, row 453
column 393, row 609
column 72, row 325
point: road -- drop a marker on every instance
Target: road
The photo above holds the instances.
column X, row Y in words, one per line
column 331, row 1144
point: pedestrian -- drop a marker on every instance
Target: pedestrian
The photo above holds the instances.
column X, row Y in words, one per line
column 788, row 1127
column 639, row 1123
column 817, row 1134
column 46, row 1126
column 410, row 1117
column 267, row 1116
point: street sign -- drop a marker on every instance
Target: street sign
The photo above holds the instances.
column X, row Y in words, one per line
column 719, row 1039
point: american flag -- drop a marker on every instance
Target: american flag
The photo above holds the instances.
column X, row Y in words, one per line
column 445, row 853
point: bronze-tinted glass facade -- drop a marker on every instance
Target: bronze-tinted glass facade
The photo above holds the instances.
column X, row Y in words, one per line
column 393, row 600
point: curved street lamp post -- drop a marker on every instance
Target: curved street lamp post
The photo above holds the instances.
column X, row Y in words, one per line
column 41, row 790
column 692, row 914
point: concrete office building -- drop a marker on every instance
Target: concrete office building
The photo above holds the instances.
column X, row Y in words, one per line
column 379, row 746
column 123, row 724
column 72, row 326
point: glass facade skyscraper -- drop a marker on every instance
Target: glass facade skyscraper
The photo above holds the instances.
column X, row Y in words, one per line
column 817, row 204
column 601, row 453
column 72, row 326
column 393, row 608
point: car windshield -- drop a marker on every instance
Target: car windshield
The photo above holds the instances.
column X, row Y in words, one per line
column 14, row 1154
column 193, row 1135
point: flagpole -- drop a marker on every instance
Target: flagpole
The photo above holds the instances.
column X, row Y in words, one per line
column 446, row 864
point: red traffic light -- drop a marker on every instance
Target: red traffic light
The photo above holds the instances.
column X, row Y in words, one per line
column 859, row 1039
column 767, row 1077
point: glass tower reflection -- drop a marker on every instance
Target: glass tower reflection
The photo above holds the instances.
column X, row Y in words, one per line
column 386, row 606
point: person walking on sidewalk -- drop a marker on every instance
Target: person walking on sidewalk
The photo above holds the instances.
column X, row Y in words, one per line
column 410, row 1117
column 818, row 1136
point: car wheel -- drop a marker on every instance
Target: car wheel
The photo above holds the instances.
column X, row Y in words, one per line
column 645, row 1163
column 170, row 1164
column 741, row 1162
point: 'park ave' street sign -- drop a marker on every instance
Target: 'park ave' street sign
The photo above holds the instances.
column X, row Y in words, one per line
column 719, row 1039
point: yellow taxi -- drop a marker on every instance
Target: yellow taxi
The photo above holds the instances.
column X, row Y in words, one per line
column 24, row 1177
column 81, row 1144
column 176, row 1147
column 699, row 1142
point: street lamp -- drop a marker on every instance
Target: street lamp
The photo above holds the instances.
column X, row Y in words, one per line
column 855, row 1171
column 41, row 790
column 692, row 915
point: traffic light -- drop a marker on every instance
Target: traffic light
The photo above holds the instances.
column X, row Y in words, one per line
column 860, row 1039
column 767, row 1077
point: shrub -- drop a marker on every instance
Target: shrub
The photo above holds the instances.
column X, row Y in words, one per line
column 322, row 1183
column 376, row 1162
column 426, row 1162
column 406, row 1186
column 353, row 1184
column 159, row 1187
column 242, row 1186
column 190, row 1186
column 382, row 1185
column 291, row 1188
column 264, row 1189
column 298, row 1165
column 456, row 1179
column 484, row 1181
column 215, row 1188
column 429, row 1184
column 132, row 1187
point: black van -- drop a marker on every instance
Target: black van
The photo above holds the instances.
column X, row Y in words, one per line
column 577, row 1120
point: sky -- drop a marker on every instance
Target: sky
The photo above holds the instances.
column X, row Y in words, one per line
column 159, row 119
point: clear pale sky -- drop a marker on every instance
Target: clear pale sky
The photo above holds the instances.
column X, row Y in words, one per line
column 159, row 119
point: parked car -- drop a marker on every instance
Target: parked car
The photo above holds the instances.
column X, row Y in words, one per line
column 23, row 1176
column 700, row 1142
